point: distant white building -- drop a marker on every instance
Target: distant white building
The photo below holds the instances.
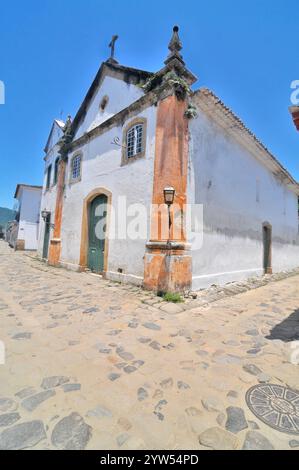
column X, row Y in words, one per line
column 24, row 233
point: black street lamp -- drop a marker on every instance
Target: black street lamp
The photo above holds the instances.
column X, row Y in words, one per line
column 45, row 216
column 169, row 193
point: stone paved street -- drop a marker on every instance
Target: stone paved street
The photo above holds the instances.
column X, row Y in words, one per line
column 98, row 365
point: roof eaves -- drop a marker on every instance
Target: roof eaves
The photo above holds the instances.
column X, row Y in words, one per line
column 236, row 126
column 22, row 185
column 61, row 126
column 103, row 70
column 60, row 123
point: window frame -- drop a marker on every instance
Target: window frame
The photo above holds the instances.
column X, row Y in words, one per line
column 56, row 170
column 78, row 178
column 48, row 176
column 135, row 122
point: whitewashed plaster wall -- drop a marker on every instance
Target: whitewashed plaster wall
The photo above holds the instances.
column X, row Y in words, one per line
column 55, row 134
column 48, row 199
column 238, row 194
column 30, row 199
column 101, row 168
column 120, row 95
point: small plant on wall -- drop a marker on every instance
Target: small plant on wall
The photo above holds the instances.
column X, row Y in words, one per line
column 191, row 111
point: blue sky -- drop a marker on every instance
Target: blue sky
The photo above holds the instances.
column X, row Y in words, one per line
column 50, row 51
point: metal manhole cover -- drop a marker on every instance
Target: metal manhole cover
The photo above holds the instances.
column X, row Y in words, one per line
column 276, row 406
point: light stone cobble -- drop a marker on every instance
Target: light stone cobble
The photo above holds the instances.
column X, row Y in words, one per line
column 91, row 364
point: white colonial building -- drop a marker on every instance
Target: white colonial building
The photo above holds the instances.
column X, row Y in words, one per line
column 137, row 133
column 25, row 229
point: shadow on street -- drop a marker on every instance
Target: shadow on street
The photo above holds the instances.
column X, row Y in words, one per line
column 287, row 330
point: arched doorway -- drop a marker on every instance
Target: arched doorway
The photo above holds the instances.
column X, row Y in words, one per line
column 46, row 236
column 97, row 226
column 95, row 231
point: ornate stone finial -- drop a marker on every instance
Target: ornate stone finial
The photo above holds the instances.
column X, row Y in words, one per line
column 112, row 47
column 66, row 138
column 67, row 126
column 175, row 43
column 175, row 46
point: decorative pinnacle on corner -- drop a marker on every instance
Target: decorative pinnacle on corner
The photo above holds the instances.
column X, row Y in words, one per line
column 112, row 47
column 68, row 125
column 175, row 42
column 175, row 46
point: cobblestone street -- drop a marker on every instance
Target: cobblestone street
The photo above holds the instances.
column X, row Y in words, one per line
column 99, row 365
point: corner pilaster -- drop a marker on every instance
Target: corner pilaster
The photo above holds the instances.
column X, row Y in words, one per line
column 55, row 242
column 167, row 258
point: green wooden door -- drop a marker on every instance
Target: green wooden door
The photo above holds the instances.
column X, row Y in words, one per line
column 46, row 237
column 97, row 233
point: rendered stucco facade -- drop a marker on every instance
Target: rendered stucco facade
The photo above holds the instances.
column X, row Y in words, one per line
column 27, row 229
column 119, row 95
column 238, row 194
column 193, row 144
column 48, row 197
column 128, row 184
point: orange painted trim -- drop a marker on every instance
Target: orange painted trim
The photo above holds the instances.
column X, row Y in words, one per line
column 55, row 243
column 169, row 268
column 171, row 160
column 167, row 273
column 85, row 224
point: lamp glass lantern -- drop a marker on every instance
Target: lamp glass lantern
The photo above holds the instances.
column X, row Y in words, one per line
column 44, row 214
column 169, row 193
